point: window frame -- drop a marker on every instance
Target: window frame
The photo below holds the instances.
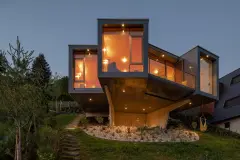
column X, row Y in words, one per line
column 224, row 106
column 233, row 79
column 74, row 74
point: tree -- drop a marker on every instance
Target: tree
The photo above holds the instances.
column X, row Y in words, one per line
column 3, row 62
column 19, row 98
column 41, row 72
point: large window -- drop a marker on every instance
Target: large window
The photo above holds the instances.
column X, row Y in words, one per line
column 173, row 72
column 208, row 75
column 235, row 79
column 85, row 71
column 122, row 50
column 232, row 102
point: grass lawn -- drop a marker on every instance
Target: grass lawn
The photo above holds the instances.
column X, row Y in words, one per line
column 208, row 147
column 64, row 119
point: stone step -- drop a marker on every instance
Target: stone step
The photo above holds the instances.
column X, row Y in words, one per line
column 67, row 148
column 70, row 153
column 70, row 158
column 69, row 140
column 68, row 143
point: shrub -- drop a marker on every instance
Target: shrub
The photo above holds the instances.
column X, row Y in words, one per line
column 84, row 121
column 48, row 144
column 99, row 119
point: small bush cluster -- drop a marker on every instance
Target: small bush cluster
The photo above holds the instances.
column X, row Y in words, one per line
column 99, row 119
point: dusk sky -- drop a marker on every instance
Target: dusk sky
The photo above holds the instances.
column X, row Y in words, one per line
column 48, row 26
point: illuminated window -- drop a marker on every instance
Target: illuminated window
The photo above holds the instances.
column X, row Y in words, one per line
column 170, row 72
column 122, row 50
column 86, row 71
column 157, row 68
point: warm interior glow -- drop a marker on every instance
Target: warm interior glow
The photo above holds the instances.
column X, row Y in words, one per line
column 122, row 25
column 105, row 61
column 155, row 71
column 86, row 72
column 124, row 59
column 90, row 99
column 125, row 108
column 163, row 55
column 123, row 90
column 143, row 109
column 157, row 68
column 123, row 51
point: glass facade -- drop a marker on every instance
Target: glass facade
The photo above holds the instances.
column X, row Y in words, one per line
column 207, row 75
column 122, row 49
column 170, row 71
column 85, row 71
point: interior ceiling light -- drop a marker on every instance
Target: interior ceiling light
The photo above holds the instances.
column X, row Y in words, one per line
column 90, row 99
column 190, row 67
column 88, row 50
column 163, row 55
column 207, row 56
column 124, row 59
column 190, row 103
column 104, row 49
column 105, row 61
column 143, row 109
column 123, row 90
column 123, row 31
column 124, row 70
column 122, row 25
column 155, row 71
column 125, row 108
column 201, row 59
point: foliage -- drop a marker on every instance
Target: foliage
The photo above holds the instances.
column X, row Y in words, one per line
column 194, row 125
column 48, row 143
column 41, row 72
column 84, row 121
column 20, row 100
column 3, row 62
column 208, row 147
column 64, row 119
column 99, row 119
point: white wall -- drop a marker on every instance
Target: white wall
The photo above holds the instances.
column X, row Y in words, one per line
column 234, row 125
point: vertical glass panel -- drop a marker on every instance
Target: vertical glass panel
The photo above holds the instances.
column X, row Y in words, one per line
column 116, row 52
column 91, row 78
column 206, row 75
column 121, row 47
column 157, row 68
column 136, row 55
column 85, row 72
column 170, row 72
column 79, row 75
column 136, row 68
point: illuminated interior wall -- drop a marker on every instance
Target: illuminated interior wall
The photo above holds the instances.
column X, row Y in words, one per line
column 85, row 71
column 122, row 51
column 207, row 79
column 130, row 119
column 157, row 68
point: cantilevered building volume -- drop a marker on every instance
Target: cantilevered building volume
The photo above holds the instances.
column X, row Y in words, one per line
column 135, row 83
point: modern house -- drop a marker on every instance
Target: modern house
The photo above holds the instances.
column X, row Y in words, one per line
column 227, row 110
column 135, row 83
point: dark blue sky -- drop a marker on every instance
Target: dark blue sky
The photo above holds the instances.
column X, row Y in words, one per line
column 48, row 26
